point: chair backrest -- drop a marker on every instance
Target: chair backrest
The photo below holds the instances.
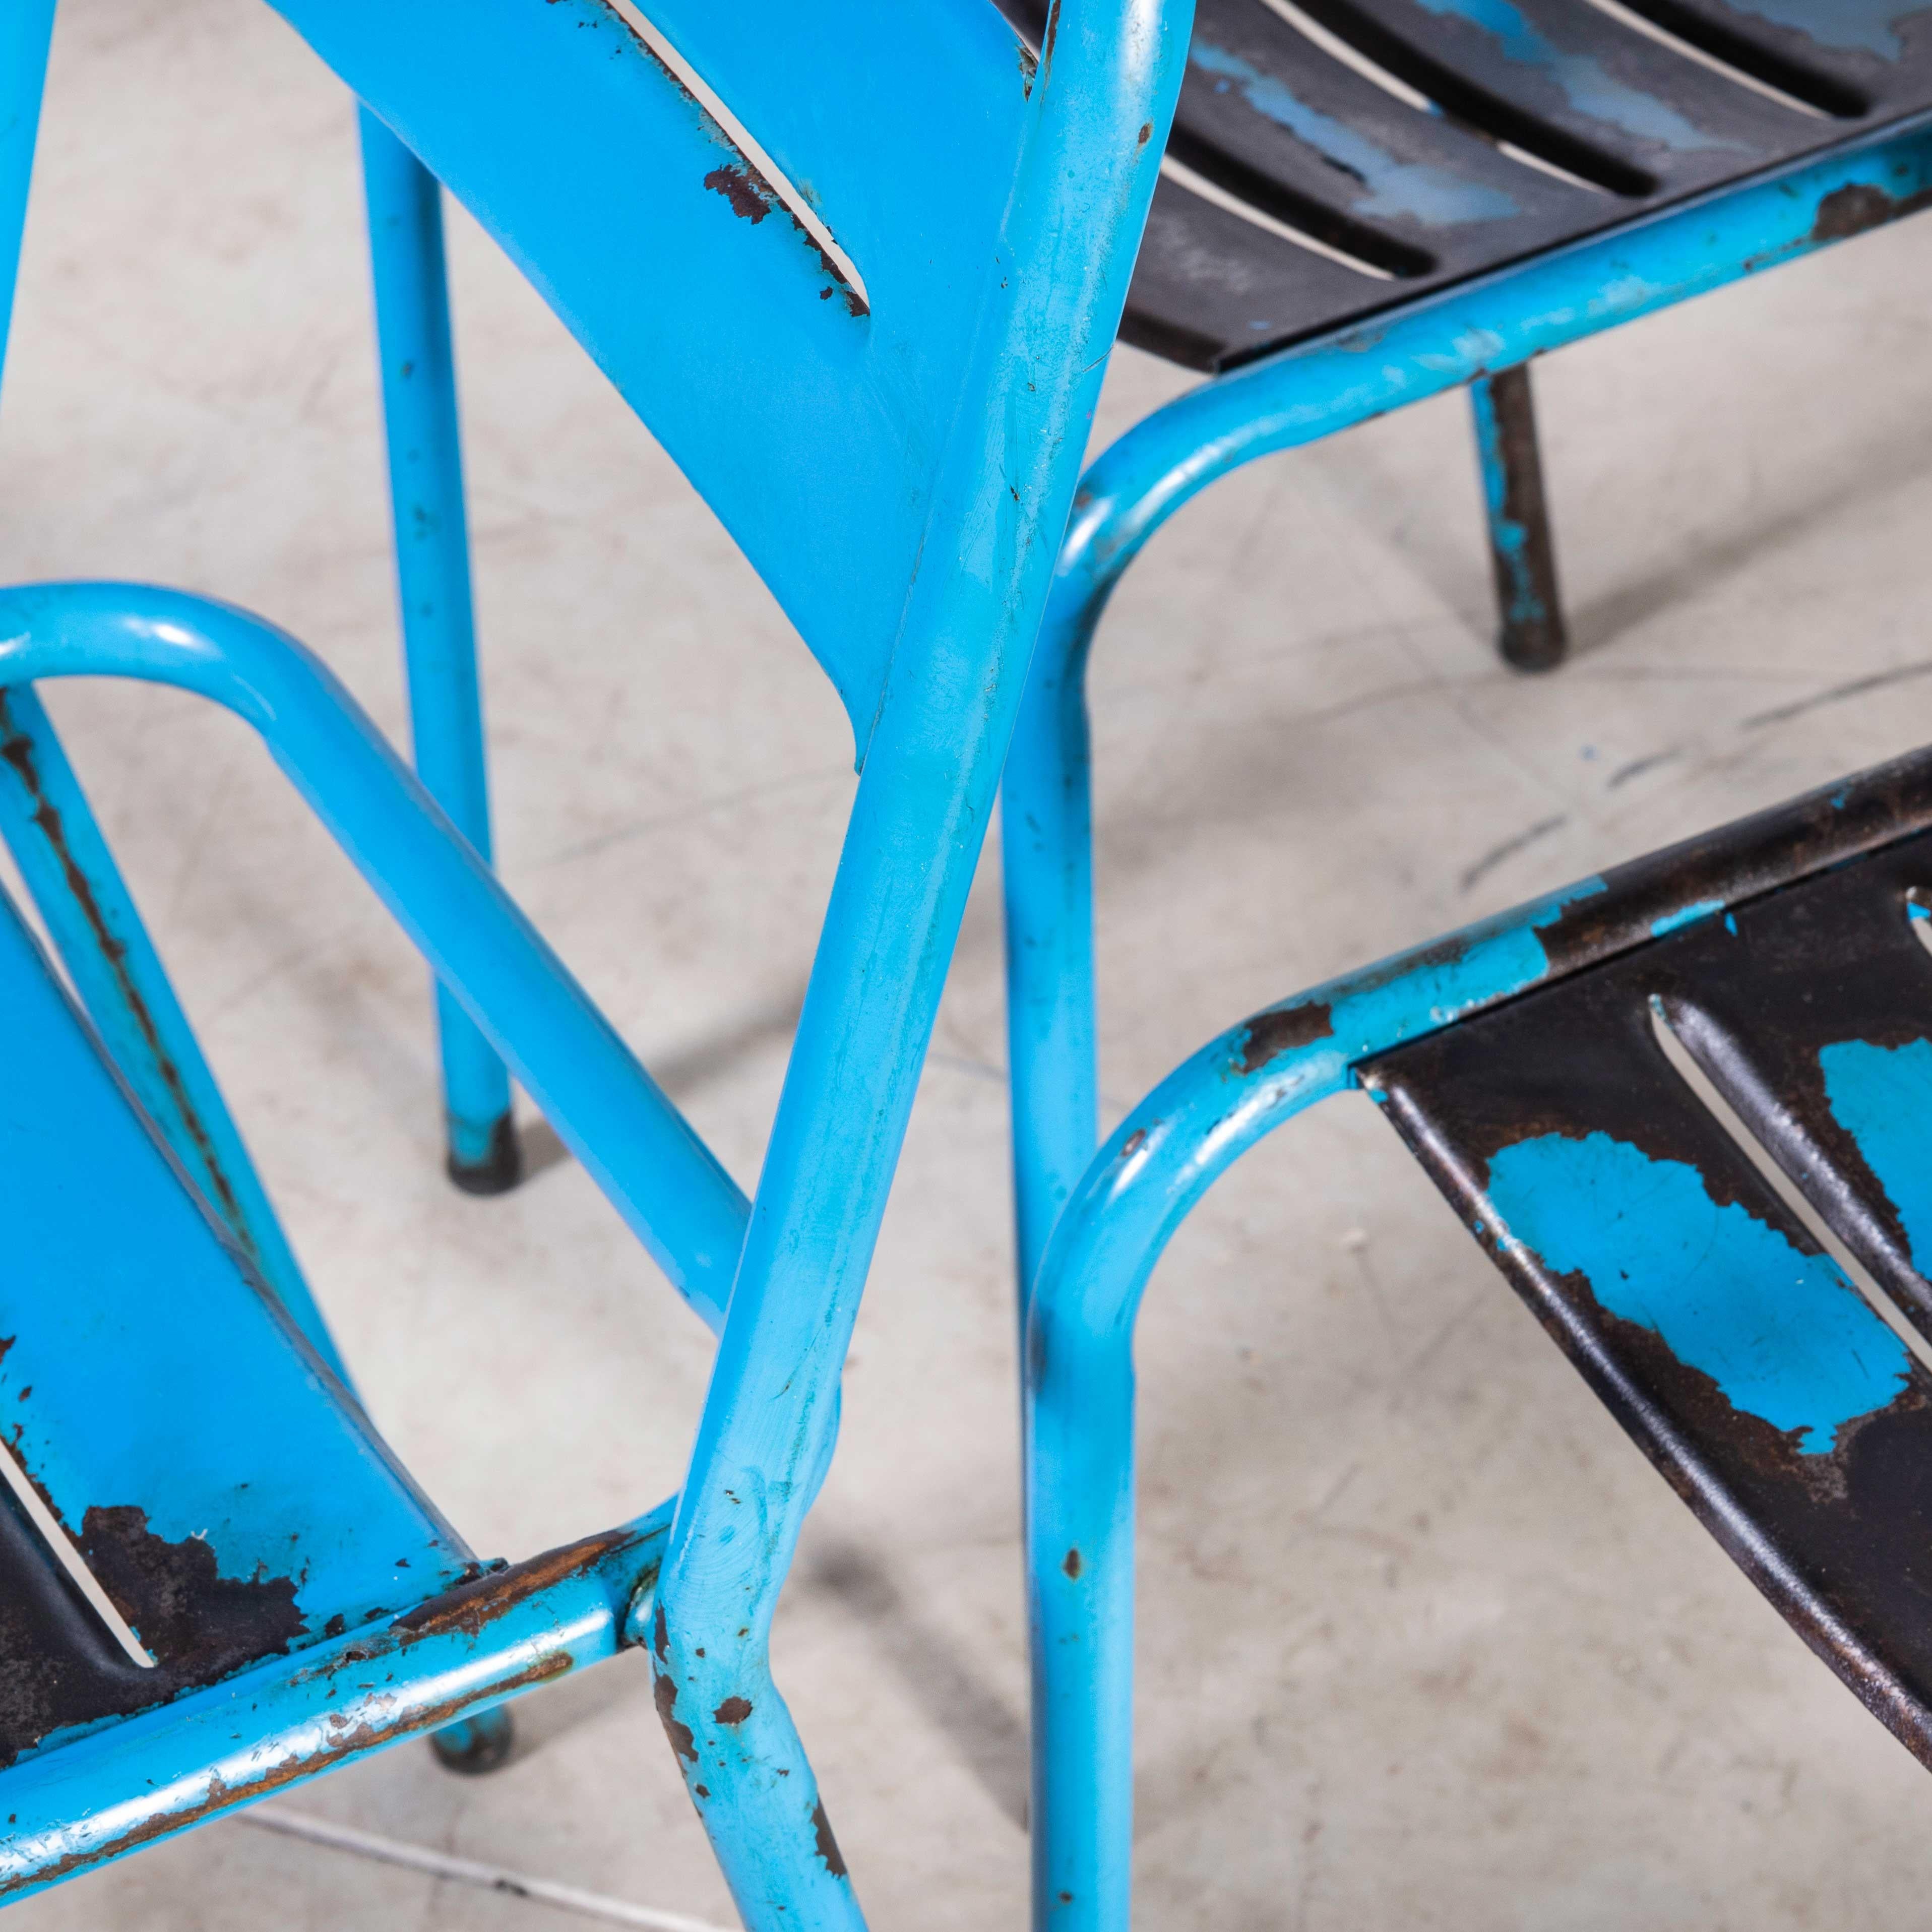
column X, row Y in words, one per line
column 813, row 416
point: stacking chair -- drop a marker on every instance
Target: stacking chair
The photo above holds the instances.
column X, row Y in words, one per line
column 1682, row 1106
column 1471, row 329
column 1335, row 162
column 214, row 1578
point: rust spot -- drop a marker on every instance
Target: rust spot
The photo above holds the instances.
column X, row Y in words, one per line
column 1072, row 1565
column 468, row 1607
column 1270, row 1035
column 752, row 196
column 342, row 1745
column 827, row 1845
column 660, row 1635
column 1047, row 39
column 703, row 1790
column 1857, row 206
column 733, row 1711
column 1029, row 66
column 1145, row 135
column 17, row 749
column 664, row 1694
column 198, row 1623
column 1741, row 861
column 1133, row 1142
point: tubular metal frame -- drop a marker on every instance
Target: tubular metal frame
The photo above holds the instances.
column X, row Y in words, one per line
column 1156, row 1167
column 1091, row 1226
column 1476, row 331
column 1088, row 121
column 432, row 553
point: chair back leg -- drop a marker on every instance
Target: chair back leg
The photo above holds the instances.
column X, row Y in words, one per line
column 1530, row 631
column 432, row 538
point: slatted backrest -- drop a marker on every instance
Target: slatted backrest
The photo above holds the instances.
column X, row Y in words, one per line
column 227, row 1494
column 814, row 422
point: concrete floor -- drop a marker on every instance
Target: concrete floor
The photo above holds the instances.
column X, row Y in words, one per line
column 1424, row 1644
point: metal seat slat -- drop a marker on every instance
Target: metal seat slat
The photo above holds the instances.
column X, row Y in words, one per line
column 1639, row 122
column 1589, row 77
column 1873, row 53
column 1260, row 91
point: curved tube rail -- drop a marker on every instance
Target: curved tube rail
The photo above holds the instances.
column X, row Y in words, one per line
column 667, row 1184
column 1477, row 329
column 1155, row 1168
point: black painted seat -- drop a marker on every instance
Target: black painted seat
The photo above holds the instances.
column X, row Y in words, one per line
column 1417, row 142
column 1782, row 1390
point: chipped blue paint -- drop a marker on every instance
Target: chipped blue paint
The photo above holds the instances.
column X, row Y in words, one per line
column 1412, row 994
column 1395, row 187
column 1587, row 88
column 1509, row 537
column 1689, row 915
column 1783, row 1334
column 1866, row 25
column 1881, row 1097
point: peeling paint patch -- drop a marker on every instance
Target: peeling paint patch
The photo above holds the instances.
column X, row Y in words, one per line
column 1783, row 1333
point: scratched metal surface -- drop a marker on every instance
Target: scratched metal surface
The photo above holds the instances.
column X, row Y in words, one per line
column 1726, row 1341
column 1407, row 181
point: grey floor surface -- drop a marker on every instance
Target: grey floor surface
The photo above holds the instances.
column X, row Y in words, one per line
column 1424, row 1644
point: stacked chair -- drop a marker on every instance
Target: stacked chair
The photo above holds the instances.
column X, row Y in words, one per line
column 229, row 1585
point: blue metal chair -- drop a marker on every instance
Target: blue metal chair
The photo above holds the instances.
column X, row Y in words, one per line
column 1333, row 161
column 1476, row 328
column 217, row 1581
column 1766, row 1346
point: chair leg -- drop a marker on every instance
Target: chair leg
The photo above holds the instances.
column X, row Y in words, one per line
column 474, row 1745
column 1047, row 870
column 432, row 579
column 1531, row 632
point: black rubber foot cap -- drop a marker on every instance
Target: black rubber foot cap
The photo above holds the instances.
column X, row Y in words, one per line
column 499, row 1171
column 474, row 1745
column 1539, row 645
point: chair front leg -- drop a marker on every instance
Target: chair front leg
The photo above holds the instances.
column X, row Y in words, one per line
column 1046, row 839
column 1079, row 1452
column 771, row 1414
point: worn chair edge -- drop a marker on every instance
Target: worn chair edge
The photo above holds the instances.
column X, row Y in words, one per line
column 295, row 1716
